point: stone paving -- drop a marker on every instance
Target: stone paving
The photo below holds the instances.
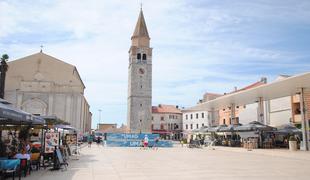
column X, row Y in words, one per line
column 98, row 163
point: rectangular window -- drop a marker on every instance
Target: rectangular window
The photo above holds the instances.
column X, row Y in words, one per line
column 197, row 126
column 161, row 126
column 186, row 126
column 191, row 126
column 191, row 116
column 162, row 118
column 152, row 118
column 186, row 116
column 203, row 124
column 202, row 115
column 196, row 115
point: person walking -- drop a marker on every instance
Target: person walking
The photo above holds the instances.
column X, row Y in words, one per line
column 146, row 142
column 98, row 140
column 89, row 140
column 155, row 146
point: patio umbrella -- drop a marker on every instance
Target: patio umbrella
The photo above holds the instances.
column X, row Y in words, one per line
column 288, row 129
column 37, row 120
column 12, row 115
column 217, row 128
column 67, row 127
column 254, row 126
column 229, row 128
column 203, row 129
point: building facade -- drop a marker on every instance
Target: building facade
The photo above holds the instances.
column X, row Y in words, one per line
column 43, row 85
column 139, row 105
column 195, row 119
column 167, row 121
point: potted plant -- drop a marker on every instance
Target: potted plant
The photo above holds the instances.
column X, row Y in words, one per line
column 292, row 143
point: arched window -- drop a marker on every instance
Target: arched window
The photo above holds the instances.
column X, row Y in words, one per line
column 138, row 56
column 144, row 57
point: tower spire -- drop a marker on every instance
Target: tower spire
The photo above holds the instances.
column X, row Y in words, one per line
column 140, row 29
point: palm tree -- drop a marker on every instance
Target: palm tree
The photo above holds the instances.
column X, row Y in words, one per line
column 4, row 57
column 3, row 69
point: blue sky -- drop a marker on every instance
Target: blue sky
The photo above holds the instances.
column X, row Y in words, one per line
column 199, row 46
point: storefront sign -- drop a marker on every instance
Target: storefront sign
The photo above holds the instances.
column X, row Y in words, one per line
column 51, row 140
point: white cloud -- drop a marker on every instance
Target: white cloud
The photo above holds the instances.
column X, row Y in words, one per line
column 193, row 41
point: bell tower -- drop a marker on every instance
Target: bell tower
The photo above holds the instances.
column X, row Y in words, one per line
column 139, row 107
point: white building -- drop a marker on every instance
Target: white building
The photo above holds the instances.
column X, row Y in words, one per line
column 167, row 121
column 195, row 119
column 43, row 85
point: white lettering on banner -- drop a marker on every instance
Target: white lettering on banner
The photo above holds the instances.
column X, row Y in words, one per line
column 134, row 143
column 130, row 136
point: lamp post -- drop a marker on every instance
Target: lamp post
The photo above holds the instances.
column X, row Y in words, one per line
column 99, row 110
column 3, row 70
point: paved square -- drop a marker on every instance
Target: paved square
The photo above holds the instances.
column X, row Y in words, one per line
column 98, row 163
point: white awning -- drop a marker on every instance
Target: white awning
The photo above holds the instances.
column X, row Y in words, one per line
column 282, row 88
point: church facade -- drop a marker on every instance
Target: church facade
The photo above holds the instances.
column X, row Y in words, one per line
column 139, row 113
column 43, row 85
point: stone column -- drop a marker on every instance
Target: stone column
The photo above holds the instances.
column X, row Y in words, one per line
column 260, row 110
column 304, row 123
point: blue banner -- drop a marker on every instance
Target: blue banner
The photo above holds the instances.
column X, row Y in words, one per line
column 130, row 136
column 134, row 140
column 137, row 144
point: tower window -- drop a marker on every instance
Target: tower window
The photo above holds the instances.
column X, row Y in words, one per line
column 140, row 105
column 144, row 57
column 138, row 56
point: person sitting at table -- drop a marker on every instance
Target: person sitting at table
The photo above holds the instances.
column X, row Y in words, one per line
column 22, row 155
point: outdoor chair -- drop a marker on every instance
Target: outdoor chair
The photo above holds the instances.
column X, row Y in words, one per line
column 9, row 167
column 24, row 167
column 35, row 161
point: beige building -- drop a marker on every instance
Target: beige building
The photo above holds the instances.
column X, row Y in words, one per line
column 43, row 85
column 112, row 128
column 167, row 121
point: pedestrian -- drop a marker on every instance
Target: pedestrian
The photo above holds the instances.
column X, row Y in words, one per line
column 155, row 146
column 182, row 142
column 146, row 142
column 89, row 140
column 142, row 144
column 98, row 140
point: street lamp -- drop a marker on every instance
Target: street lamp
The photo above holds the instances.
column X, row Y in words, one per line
column 99, row 110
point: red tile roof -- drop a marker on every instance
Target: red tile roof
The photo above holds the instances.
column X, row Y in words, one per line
column 256, row 84
column 166, row 109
